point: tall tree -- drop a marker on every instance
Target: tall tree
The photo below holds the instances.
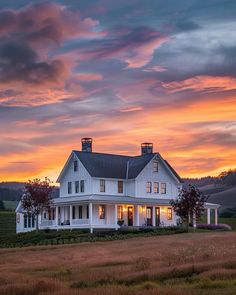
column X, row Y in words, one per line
column 37, row 197
column 189, row 204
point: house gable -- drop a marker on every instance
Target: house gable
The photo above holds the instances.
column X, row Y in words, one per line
column 69, row 175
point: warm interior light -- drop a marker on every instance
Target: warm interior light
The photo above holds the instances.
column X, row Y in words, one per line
column 163, row 209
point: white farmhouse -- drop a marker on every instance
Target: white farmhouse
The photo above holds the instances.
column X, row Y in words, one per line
column 100, row 191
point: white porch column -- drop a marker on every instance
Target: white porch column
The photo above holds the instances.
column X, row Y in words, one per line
column 216, row 216
column 137, row 215
column 91, row 217
column 194, row 220
column 71, row 213
column 56, row 215
column 115, row 217
column 208, row 216
column 153, row 216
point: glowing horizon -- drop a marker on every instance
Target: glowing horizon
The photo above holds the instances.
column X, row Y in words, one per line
column 123, row 74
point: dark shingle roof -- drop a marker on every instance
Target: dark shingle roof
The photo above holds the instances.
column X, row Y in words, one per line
column 113, row 166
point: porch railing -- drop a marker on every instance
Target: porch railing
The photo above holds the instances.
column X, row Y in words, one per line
column 80, row 221
column 48, row 222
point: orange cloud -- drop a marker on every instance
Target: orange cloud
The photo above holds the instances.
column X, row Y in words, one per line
column 199, row 83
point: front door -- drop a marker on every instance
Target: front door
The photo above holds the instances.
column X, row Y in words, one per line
column 149, row 216
column 130, row 216
column 157, row 216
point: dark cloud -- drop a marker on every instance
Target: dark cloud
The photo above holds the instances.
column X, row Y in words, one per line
column 19, row 62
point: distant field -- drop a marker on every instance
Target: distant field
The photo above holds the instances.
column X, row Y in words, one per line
column 7, row 222
column 10, row 205
column 186, row 264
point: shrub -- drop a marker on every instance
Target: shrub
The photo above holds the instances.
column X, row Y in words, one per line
column 214, row 226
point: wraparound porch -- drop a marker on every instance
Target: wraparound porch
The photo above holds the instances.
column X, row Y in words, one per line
column 107, row 216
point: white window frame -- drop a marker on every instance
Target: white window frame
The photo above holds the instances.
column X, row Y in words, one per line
column 155, row 166
column 163, row 188
column 156, row 187
column 148, row 187
column 102, row 185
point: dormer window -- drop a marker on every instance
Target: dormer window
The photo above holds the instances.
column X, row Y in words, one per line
column 75, row 165
column 155, row 166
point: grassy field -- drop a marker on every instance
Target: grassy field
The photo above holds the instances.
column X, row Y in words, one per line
column 229, row 221
column 7, row 222
column 186, row 264
column 10, row 205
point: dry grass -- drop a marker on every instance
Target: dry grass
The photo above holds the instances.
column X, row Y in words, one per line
column 200, row 263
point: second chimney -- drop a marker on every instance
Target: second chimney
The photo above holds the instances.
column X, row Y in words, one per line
column 146, row 148
column 86, row 144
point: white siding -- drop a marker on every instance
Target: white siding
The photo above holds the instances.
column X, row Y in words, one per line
column 71, row 175
column 162, row 176
column 111, row 186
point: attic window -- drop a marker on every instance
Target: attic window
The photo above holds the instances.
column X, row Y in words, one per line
column 75, row 165
column 155, row 166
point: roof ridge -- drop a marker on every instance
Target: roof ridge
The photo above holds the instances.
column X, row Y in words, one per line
column 125, row 156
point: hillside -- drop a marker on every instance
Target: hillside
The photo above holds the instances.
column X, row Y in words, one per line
column 221, row 189
column 226, row 198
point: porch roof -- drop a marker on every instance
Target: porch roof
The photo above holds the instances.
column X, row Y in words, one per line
column 109, row 199
column 211, row 206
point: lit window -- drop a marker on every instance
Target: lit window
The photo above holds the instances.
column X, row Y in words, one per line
column 120, row 212
column 102, row 212
column 102, row 185
column 148, row 213
column 120, row 186
column 156, row 188
column 77, row 187
column 80, row 212
column 163, row 188
column 169, row 213
column 82, row 186
column 148, row 187
column 155, row 166
column 75, row 165
column 69, row 187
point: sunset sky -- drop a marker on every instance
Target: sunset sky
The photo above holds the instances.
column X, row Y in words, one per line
column 122, row 72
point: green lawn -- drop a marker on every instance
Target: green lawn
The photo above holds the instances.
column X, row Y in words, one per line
column 229, row 221
column 7, row 222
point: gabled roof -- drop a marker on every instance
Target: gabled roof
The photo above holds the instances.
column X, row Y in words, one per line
column 116, row 166
column 113, row 166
